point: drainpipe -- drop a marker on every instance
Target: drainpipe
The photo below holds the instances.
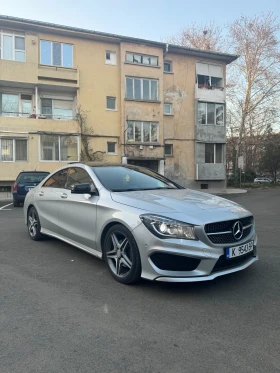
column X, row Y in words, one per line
column 166, row 50
column 36, row 101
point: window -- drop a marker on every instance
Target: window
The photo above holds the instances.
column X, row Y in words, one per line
column 209, row 113
column 213, row 153
column 57, row 109
column 141, row 59
column 142, row 131
column 58, row 148
column 141, row 89
column 13, row 150
column 168, row 149
column 167, row 109
column 56, row 54
column 12, row 46
column 209, row 76
column 76, row 176
column 15, row 104
column 110, row 58
column 58, row 180
column 111, row 103
column 167, row 67
column 111, row 147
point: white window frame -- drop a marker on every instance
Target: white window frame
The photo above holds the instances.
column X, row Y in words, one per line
column 56, row 98
column 207, row 70
column 59, row 155
column 142, row 132
column 215, row 117
column 109, row 62
column 14, row 148
column 13, row 35
column 171, row 108
column 61, row 51
column 215, row 156
column 115, row 103
column 171, row 66
column 112, row 153
column 19, row 113
column 141, row 88
column 141, row 55
column 168, row 155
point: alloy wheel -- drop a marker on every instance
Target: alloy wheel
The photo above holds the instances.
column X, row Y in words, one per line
column 119, row 255
column 32, row 223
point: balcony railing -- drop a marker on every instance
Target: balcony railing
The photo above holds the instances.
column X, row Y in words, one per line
column 36, row 116
column 206, row 86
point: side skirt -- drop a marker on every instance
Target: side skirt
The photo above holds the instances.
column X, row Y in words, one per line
column 96, row 253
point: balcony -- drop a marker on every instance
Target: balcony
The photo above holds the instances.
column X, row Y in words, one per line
column 210, row 171
column 210, row 93
column 210, row 133
column 18, row 72
column 58, row 76
column 23, row 123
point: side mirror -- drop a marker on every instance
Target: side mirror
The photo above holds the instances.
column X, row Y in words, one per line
column 85, row 188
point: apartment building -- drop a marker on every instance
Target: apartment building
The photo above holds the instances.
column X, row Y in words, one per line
column 142, row 102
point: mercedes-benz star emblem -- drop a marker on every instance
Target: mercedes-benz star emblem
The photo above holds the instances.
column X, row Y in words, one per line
column 237, row 230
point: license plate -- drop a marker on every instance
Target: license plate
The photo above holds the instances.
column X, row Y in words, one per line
column 28, row 188
column 234, row 252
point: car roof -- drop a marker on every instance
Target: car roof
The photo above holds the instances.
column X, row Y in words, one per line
column 98, row 164
column 34, row 172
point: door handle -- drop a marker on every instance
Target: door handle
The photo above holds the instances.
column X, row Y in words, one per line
column 63, row 195
column 41, row 193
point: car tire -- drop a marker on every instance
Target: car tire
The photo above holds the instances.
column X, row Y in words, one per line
column 33, row 225
column 16, row 203
column 121, row 255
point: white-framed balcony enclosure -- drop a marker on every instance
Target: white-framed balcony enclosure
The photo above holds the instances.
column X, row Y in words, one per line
column 38, row 101
column 210, row 161
column 210, row 82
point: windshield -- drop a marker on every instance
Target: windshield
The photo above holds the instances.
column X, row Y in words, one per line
column 32, row 177
column 126, row 179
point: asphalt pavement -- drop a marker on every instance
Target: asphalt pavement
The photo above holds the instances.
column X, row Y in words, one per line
column 61, row 311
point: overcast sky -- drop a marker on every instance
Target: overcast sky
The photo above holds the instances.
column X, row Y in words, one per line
column 148, row 19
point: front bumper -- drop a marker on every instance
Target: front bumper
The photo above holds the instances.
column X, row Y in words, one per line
column 209, row 277
column 208, row 256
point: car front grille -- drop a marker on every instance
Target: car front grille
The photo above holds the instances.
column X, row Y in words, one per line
column 221, row 232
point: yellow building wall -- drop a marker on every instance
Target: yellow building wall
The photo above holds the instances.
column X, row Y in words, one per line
column 179, row 89
column 94, row 81
column 137, row 110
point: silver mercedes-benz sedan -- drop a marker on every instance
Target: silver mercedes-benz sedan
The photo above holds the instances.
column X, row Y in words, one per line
column 141, row 223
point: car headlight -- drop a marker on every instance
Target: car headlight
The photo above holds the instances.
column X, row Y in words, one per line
column 168, row 228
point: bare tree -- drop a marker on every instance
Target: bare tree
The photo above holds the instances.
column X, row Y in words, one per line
column 254, row 80
column 205, row 37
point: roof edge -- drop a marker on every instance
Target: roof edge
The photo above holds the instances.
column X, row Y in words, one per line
column 228, row 58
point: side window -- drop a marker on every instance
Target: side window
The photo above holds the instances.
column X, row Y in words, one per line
column 58, row 180
column 77, row 176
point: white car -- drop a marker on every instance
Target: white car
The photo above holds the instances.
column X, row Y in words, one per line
column 262, row 180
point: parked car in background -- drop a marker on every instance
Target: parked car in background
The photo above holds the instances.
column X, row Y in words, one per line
column 25, row 181
column 262, row 180
column 141, row 223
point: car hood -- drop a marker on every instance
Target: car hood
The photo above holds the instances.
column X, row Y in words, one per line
column 182, row 204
